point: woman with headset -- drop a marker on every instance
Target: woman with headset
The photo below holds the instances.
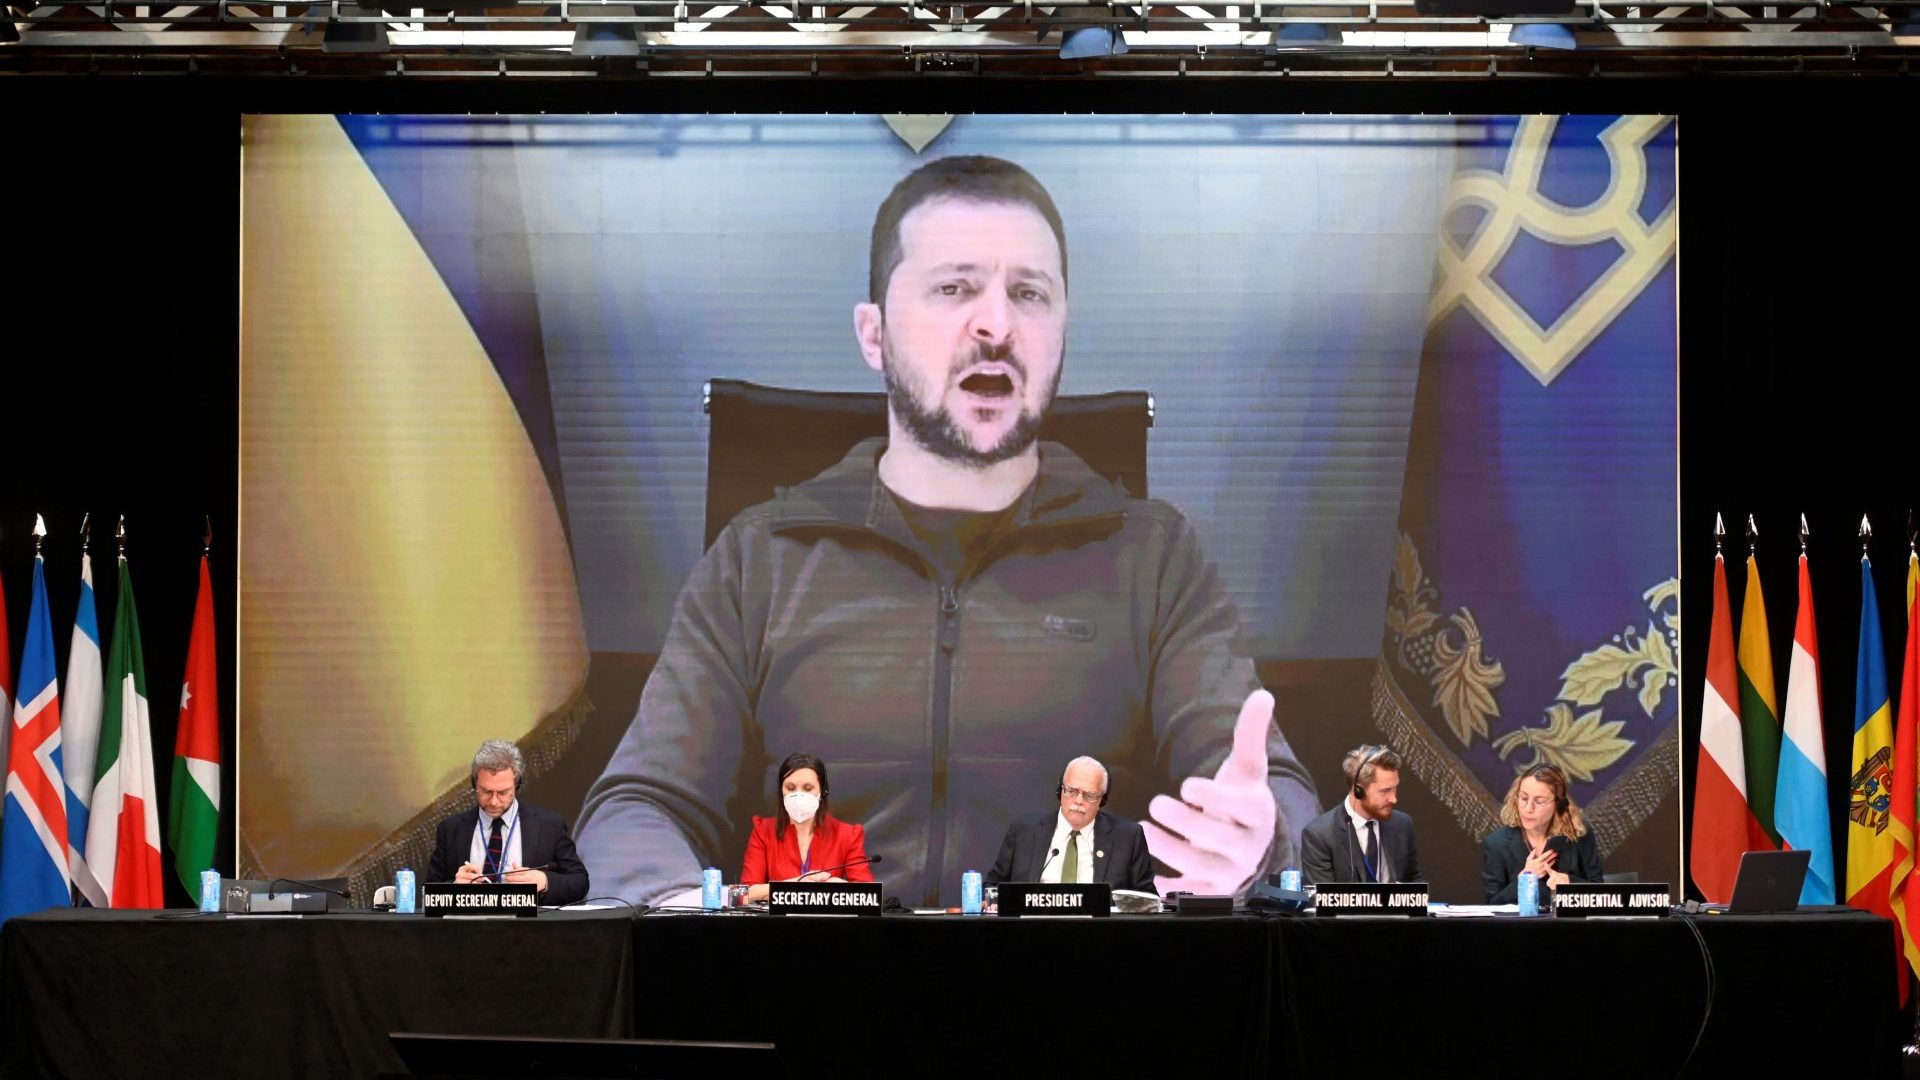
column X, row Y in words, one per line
column 1543, row 833
column 801, row 840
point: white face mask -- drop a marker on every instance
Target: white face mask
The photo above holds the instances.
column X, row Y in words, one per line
column 801, row 805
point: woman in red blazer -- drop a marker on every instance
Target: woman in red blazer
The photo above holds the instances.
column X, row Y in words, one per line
column 803, row 840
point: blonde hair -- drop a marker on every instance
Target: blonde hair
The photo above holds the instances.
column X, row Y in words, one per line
column 1567, row 819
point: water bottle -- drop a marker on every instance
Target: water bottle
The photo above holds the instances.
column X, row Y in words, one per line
column 710, row 888
column 209, row 890
column 1290, row 880
column 403, row 888
column 1529, row 889
column 970, row 893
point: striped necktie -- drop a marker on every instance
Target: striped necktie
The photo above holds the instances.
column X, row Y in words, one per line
column 494, row 851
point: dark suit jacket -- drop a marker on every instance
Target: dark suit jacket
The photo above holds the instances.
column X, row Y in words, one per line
column 543, row 842
column 1330, row 852
column 1119, row 852
column 1504, row 852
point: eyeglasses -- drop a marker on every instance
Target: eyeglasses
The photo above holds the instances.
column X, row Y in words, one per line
column 1535, row 802
column 1075, row 793
column 494, row 796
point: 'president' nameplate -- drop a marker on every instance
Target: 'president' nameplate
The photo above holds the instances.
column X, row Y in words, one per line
column 489, row 899
column 1617, row 901
column 1400, row 898
column 824, row 898
column 1091, row 900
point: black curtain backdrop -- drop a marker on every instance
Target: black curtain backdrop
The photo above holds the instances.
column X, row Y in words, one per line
column 1797, row 284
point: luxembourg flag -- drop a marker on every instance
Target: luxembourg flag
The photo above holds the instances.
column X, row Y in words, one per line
column 33, row 836
column 1800, row 800
column 80, row 732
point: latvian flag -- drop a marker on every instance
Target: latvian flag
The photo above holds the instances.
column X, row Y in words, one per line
column 33, row 835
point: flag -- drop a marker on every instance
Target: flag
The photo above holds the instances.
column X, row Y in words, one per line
column 1870, row 852
column 1800, row 795
column 123, row 837
column 193, row 806
column 80, row 733
column 1904, row 886
column 6, row 686
column 1722, row 821
column 1759, row 718
column 33, row 836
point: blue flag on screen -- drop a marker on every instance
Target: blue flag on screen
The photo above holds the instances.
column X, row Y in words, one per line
column 1533, row 605
column 33, row 834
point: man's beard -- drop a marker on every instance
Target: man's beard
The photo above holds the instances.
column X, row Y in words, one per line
column 934, row 429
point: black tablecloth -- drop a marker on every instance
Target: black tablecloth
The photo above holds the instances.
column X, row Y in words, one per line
column 131, row 994
column 949, row 995
column 1807, row 995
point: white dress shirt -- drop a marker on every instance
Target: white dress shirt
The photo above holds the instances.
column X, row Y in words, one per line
column 510, row 854
column 1359, row 853
column 1051, row 875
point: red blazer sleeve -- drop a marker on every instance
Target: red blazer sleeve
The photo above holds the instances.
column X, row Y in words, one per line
column 753, row 871
column 855, row 847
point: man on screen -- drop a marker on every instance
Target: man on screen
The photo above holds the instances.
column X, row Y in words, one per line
column 1079, row 842
column 507, row 840
column 954, row 604
column 1364, row 838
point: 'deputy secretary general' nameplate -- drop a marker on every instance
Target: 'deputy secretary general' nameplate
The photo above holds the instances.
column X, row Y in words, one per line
column 1038, row 898
column 824, row 898
column 1621, row 900
column 1400, row 898
column 439, row 900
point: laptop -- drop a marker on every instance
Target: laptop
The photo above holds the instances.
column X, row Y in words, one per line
column 1769, row 881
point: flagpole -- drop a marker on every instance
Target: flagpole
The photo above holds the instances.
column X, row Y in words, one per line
column 1912, row 1049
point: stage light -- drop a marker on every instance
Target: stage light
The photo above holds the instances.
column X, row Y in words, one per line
column 355, row 37
column 1305, row 34
column 605, row 39
column 1088, row 42
column 1542, row 35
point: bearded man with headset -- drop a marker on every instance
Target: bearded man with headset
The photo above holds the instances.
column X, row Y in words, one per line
column 1364, row 838
column 1080, row 842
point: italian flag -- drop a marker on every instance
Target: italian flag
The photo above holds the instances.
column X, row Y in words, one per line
column 123, row 836
column 1722, row 821
column 193, row 805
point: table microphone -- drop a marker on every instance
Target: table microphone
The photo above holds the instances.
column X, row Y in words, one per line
column 1043, row 866
column 870, row 860
column 277, row 882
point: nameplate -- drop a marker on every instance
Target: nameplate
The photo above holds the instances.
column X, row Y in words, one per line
column 824, row 898
column 439, row 900
column 1037, row 898
column 1400, row 898
column 1635, row 900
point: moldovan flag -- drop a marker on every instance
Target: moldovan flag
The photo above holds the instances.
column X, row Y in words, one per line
column 1722, row 821
column 1759, row 717
column 1870, row 852
column 1800, row 800
column 123, row 839
column 193, row 806
column 1904, row 892
column 80, row 733
column 33, row 836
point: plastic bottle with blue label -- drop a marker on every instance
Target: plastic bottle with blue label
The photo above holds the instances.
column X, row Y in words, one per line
column 404, row 887
column 1528, row 889
column 1290, row 880
column 209, row 890
column 970, row 890
column 710, row 888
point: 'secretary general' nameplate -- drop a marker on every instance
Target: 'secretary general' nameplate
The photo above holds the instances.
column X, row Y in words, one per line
column 445, row 899
column 1616, row 901
column 824, row 898
column 1400, row 898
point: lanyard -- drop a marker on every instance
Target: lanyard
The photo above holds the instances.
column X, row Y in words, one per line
column 1372, row 874
column 506, row 842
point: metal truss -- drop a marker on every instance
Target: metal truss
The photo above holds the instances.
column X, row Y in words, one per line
column 665, row 37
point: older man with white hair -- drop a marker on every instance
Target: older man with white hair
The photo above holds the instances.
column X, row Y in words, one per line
column 1079, row 842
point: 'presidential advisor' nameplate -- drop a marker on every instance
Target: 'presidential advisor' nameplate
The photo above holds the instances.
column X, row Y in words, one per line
column 489, row 899
column 1616, row 901
column 1089, row 900
column 824, row 898
column 1400, row 898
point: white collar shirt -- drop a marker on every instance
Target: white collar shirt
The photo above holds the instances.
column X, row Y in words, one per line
column 1061, row 828
column 510, row 831
column 1360, row 822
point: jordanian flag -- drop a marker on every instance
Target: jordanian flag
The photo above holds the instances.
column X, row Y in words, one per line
column 1759, row 717
column 193, row 809
column 123, row 838
column 1722, row 821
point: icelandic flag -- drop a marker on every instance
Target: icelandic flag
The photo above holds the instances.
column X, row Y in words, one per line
column 33, row 836
column 1800, row 800
column 80, row 733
